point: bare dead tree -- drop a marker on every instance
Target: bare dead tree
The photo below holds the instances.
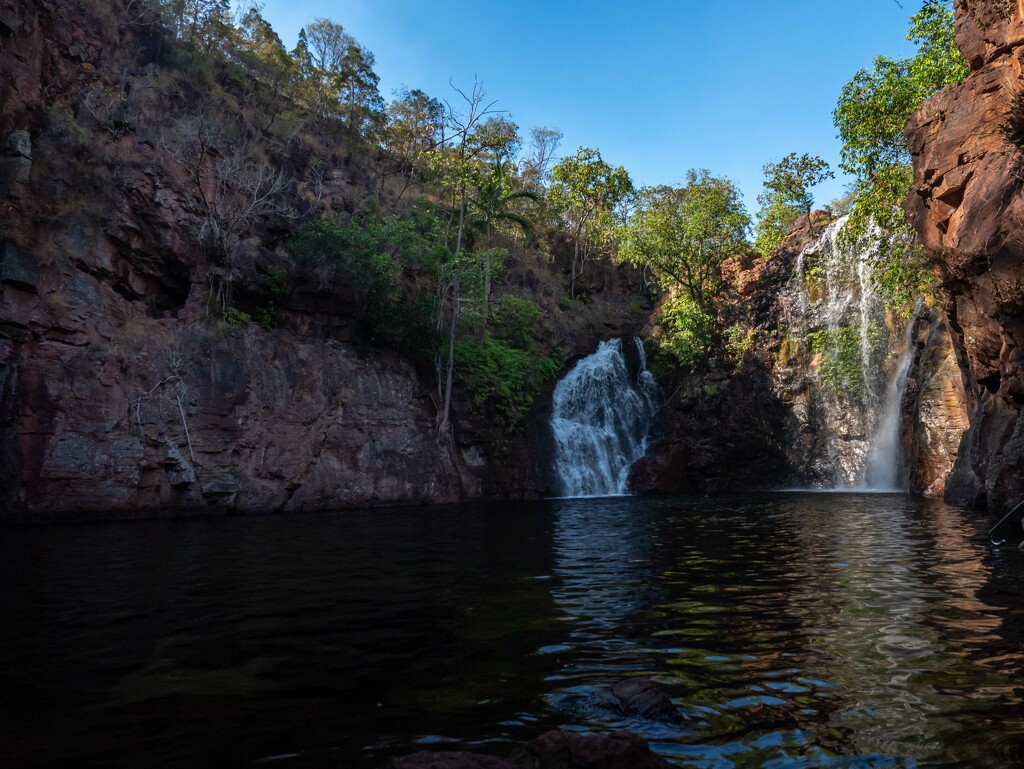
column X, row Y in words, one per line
column 236, row 186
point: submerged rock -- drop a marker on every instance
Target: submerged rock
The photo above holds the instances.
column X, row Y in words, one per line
column 449, row 760
column 639, row 697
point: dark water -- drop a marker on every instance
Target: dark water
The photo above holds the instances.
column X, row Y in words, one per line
column 792, row 630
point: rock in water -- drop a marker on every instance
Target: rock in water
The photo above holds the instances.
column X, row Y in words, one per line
column 639, row 697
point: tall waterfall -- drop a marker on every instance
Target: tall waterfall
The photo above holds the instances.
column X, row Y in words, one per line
column 601, row 419
column 859, row 357
column 886, row 470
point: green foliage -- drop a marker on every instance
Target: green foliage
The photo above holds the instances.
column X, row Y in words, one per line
column 586, row 191
column 276, row 281
column 841, row 352
column 870, row 115
column 787, row 194
column 64, row 126
column 337, row 78
column 685, row 233
column 503, row 372
column 515, row 320
column 840, row 363
column 687, row 331
column 772, row 225
column 266, row 316
column 236, row 317
column 370, row 252
column 738, row 342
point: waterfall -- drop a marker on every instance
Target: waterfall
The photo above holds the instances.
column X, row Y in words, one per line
column 845, row 369
column 886, row 470
column 601, row 419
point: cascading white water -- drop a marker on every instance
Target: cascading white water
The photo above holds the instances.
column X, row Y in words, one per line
column 601, row 419
column 849, row 397
column 885, row 469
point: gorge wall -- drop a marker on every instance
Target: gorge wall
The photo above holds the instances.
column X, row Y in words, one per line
column 120, row 390
column 967, row 206
column 800, row 402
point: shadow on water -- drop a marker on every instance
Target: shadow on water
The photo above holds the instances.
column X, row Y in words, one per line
column 790, row 630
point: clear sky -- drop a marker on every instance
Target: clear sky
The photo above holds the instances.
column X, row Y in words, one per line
column 659, row 86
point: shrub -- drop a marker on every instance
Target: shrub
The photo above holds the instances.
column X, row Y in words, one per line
column 686, row 331
column 502, row 378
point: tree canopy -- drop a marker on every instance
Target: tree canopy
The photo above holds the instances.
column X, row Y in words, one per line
column 685, row 233
column 587, row 190
column 787, row 194
column 873, row 107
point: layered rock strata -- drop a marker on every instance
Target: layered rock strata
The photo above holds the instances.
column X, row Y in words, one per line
column 967, row 206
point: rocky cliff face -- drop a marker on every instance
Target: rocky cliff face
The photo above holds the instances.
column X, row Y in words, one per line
column 121, row 391
column 968, row 207
column 801, row 405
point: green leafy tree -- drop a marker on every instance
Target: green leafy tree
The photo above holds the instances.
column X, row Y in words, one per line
column 587, row 190
column 203, row 23
column 870, row 115
column 683, row 234
column 370, row 253
column 787, row 195
column 686, row 332
column 502, row 369
column 455, row 168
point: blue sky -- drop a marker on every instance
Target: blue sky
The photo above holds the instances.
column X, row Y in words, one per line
column 659, row 86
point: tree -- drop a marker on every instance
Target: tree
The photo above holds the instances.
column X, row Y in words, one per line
column 587, row 190
column 455, row 169
column 236, row 186
column 870, row 114
column 685, row 233
column 204, row 23
column 338, row 77
column 262, row 52
column 787, row 194
column 415, row 127
column 537, row 165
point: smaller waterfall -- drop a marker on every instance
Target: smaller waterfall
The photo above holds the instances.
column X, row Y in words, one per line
column 601, row 419
column 885, row 470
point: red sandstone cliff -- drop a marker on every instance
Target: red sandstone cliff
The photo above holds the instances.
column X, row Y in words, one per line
column 967, row 204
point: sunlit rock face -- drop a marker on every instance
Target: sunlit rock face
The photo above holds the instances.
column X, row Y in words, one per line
column 837, row 392
column 967, row 205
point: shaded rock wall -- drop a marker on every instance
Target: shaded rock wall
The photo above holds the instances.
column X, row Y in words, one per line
column 232, row 419
column 967, row 206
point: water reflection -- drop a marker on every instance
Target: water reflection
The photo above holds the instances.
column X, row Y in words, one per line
column 790, row 630
column 802, row 629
